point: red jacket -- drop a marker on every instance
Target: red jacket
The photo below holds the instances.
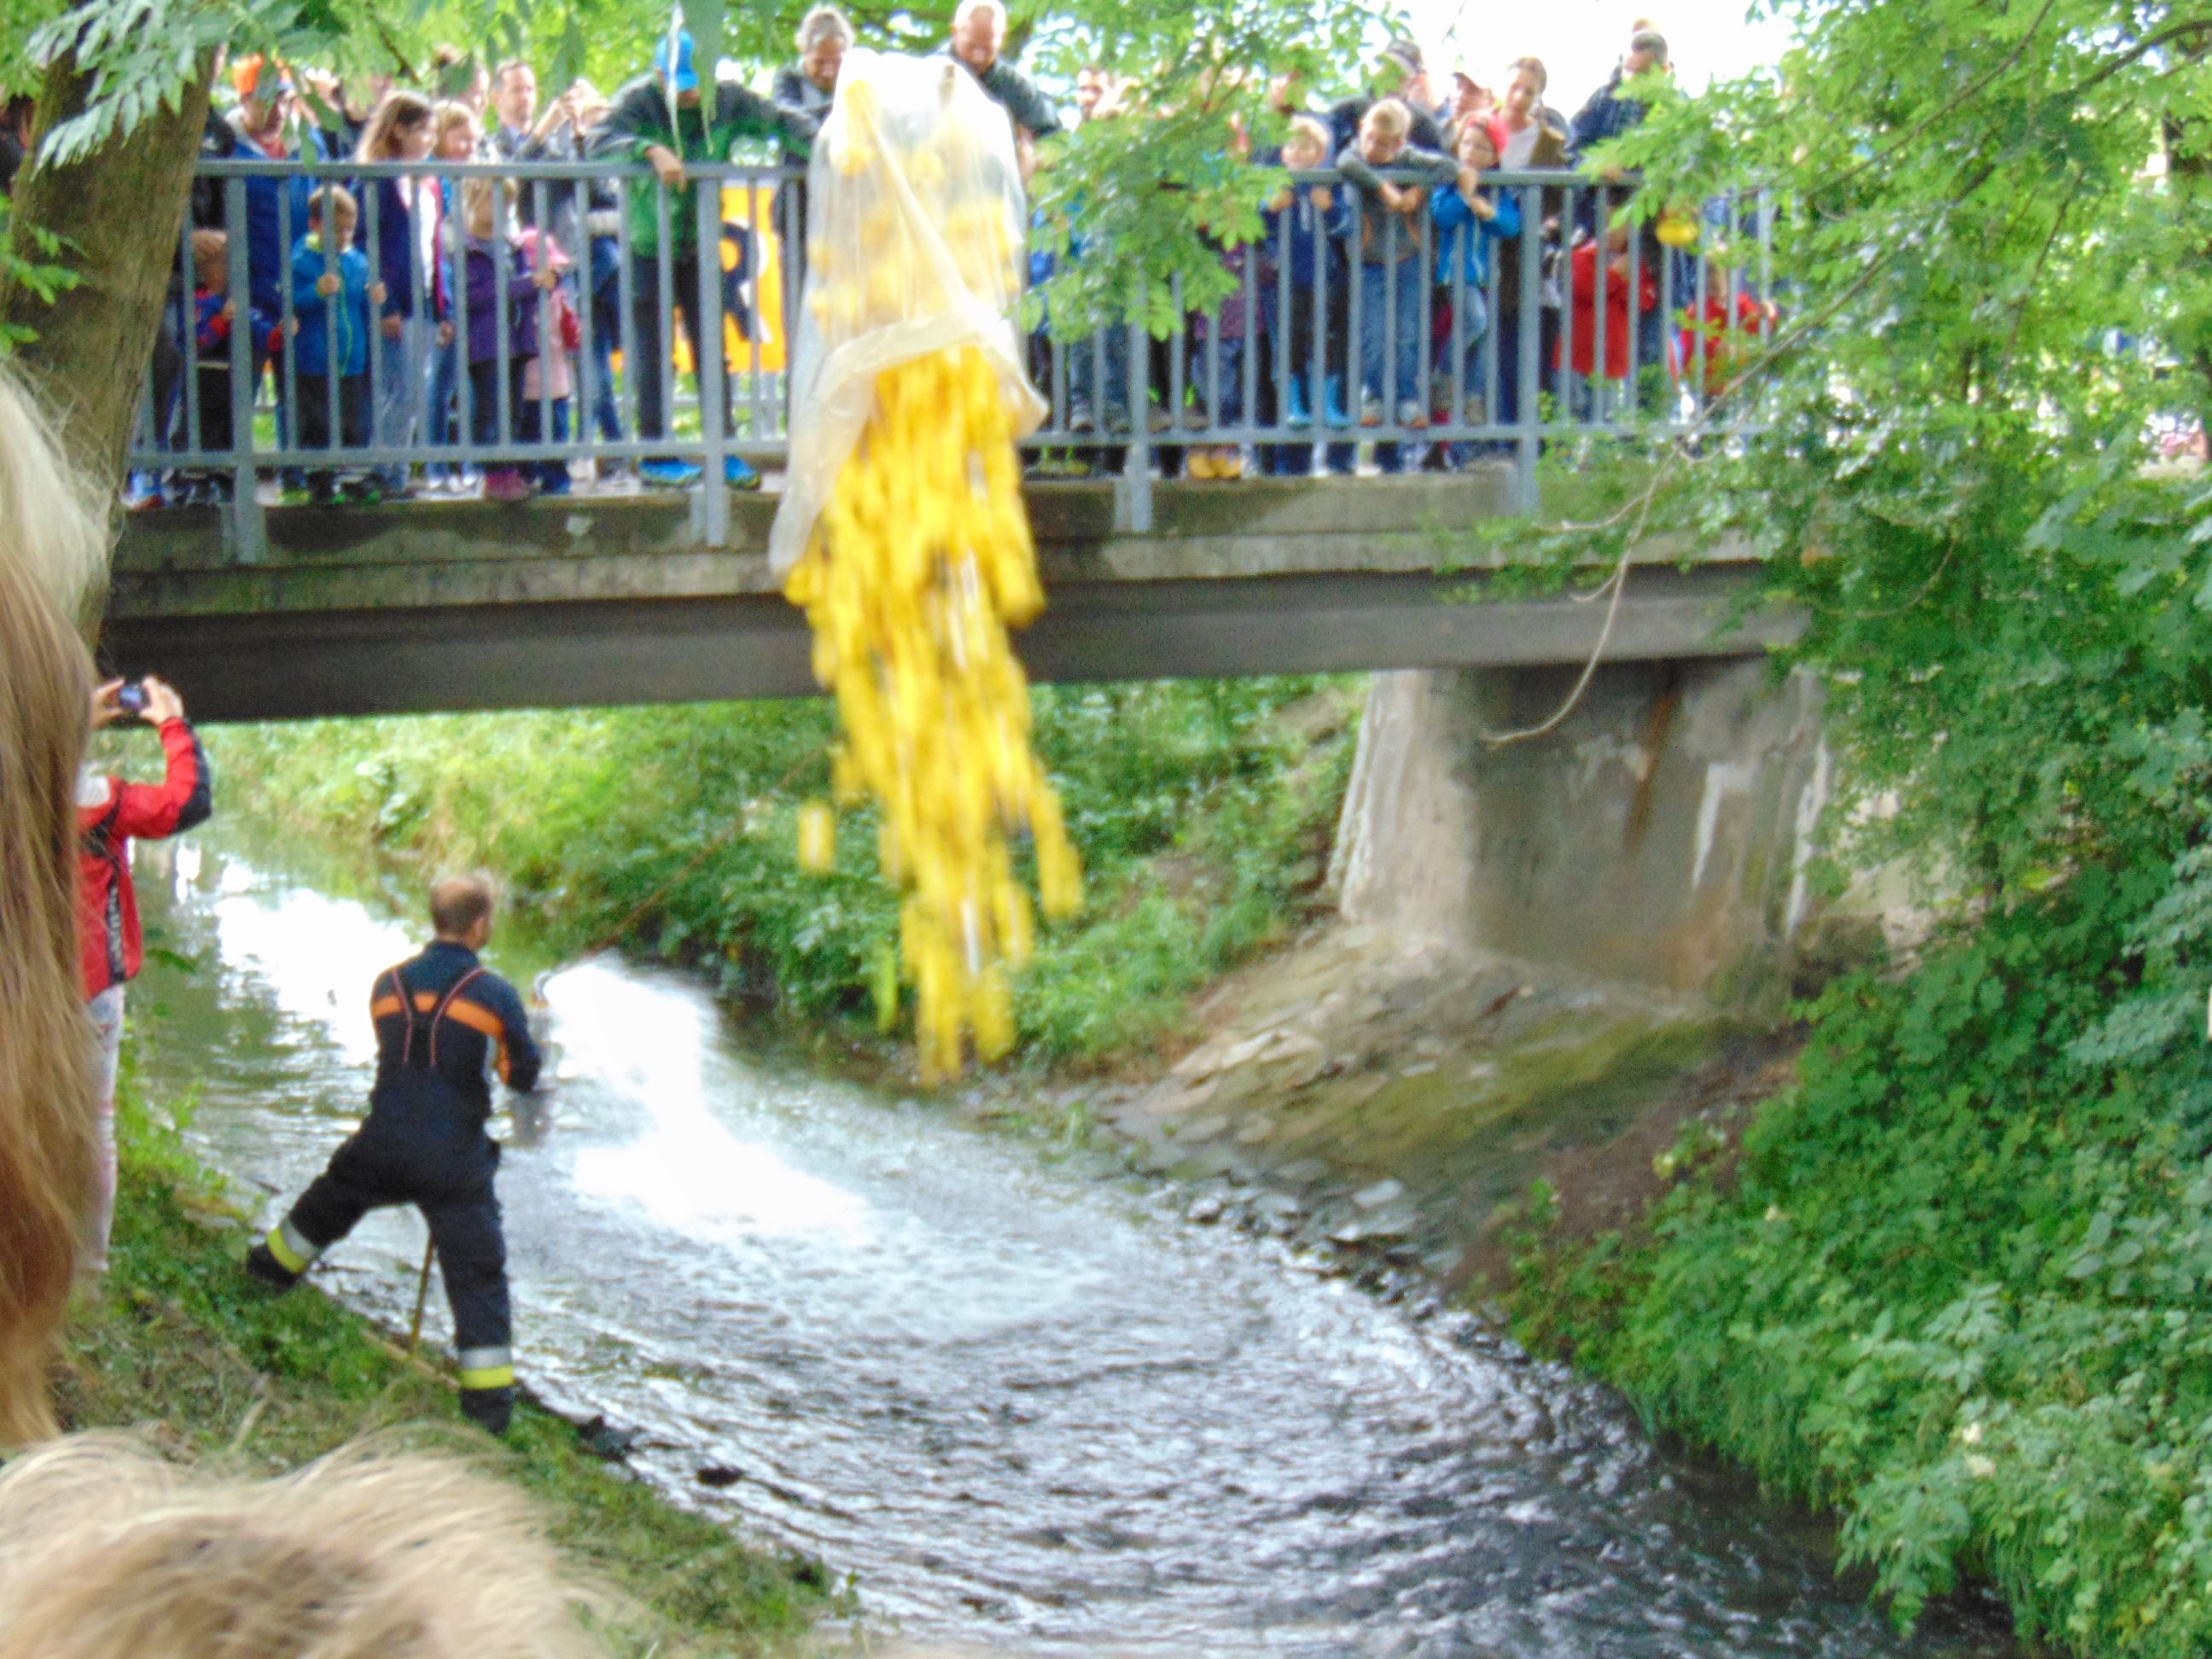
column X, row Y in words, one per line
column 1727, row 347
column 1620, row 327
column 106, row 904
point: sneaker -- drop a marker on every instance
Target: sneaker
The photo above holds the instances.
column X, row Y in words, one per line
column 739, row 473
column 360, row 492
column 1078, row 418
column 554, row 481
column 1158, row 419
column 1371, row 411
column 506, row 483
column 1412, row 417
column 670, row 475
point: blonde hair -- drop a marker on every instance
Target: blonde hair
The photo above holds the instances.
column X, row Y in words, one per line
column 444, row 118
column 335, row 203
column 477, row 202
column 107, row 1553
column 1311, row 129
column 53, row 551
column 1391, row 115
column 210, row 256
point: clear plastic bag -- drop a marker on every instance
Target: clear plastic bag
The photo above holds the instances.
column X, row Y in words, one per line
column 914, row 245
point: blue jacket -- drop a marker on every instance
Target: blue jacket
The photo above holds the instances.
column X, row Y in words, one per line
column 267, row 196
column 395, row 254
column 333, row 330
column 1309, row 237
column 1464, row 241
column 1607, row 115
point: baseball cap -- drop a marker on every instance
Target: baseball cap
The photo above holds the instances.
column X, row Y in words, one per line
column 679, row 72
column 1407, row 55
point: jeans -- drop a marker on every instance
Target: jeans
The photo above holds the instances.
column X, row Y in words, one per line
column 399, row 364
column 606, row 337
column 106, row 1012
column 1102, row 387
column 440, row 415
column 1390, row 333
column 529, row 425
column 1229, row 408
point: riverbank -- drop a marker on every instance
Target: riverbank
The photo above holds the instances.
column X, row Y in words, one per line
column 1203, row 812
column 176, row 1343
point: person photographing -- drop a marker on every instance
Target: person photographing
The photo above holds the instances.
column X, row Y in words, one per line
column 111, row 815
column 445, row 1025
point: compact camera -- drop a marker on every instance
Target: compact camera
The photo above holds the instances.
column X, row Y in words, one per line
column 130, row 699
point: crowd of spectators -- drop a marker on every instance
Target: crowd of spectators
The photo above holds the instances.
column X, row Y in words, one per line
column 476, row 313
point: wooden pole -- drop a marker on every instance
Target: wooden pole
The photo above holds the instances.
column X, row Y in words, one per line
column 422, row 1296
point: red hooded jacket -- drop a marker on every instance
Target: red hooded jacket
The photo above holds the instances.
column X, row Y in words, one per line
column 106, row 903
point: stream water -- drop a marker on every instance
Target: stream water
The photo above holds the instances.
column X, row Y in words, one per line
column 1028, row 1408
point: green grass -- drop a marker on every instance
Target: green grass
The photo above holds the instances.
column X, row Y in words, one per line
column 178, row 1342
column 1203, row 811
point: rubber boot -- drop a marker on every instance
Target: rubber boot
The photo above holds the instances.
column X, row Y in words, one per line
column 265, row 1267
column 1339, row 417
column 489, row 1409
column 1300, row 416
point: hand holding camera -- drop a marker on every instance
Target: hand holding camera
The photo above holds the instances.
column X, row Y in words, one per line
column 152, row 701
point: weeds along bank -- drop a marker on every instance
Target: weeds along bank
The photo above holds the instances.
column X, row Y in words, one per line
column 176, row 1342
column 1203, row 810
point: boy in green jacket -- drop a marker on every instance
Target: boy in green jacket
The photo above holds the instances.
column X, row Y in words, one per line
column 664, row 119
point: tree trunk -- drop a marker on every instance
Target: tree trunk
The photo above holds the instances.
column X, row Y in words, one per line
column 119, row 212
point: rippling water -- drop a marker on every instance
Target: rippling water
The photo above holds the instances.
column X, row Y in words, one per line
column 1028, row 1409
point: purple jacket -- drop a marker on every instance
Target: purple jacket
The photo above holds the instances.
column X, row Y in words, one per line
column 483, row 305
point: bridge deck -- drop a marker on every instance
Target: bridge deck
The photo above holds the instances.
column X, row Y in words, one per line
column 606, row 599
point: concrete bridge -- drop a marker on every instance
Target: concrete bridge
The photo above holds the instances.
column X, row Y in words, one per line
column 613, row 599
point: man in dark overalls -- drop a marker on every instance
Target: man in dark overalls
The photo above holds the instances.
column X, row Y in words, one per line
column 444, row 1023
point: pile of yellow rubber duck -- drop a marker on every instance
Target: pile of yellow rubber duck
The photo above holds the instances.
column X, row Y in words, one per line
column 916, row 569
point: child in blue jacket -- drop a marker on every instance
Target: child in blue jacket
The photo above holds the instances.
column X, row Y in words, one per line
column 1468, row 218
column 332, row 289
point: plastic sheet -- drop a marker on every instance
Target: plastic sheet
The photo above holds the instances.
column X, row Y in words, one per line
column 914, row 245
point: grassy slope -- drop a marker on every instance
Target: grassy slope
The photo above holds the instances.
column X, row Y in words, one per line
column 1954, row 1287
column 178, row 1343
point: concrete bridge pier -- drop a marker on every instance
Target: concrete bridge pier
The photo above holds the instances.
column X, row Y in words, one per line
column 1658, row 836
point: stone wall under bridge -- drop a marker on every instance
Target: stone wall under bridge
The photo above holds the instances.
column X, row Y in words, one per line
column 1658, row 836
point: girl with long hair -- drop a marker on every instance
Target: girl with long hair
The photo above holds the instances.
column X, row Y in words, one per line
column 54, row 549
column 398, row 130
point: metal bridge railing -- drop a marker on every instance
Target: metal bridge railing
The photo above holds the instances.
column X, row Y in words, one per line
column 261, row 382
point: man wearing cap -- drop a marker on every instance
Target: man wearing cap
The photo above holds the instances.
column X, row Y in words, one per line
column 1404, row 75
column 266, row 125
column 1608, row 114
column 664, row 119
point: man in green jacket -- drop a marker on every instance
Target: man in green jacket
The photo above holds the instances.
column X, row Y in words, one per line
column 664, row 119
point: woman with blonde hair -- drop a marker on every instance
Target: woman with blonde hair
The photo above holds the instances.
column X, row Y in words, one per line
column 53, row 551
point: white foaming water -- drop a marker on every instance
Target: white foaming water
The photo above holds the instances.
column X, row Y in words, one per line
column 686, row 1171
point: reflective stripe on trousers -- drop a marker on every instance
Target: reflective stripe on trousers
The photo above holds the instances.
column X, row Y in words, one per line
column 487, row 1368
column 293, row 1249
